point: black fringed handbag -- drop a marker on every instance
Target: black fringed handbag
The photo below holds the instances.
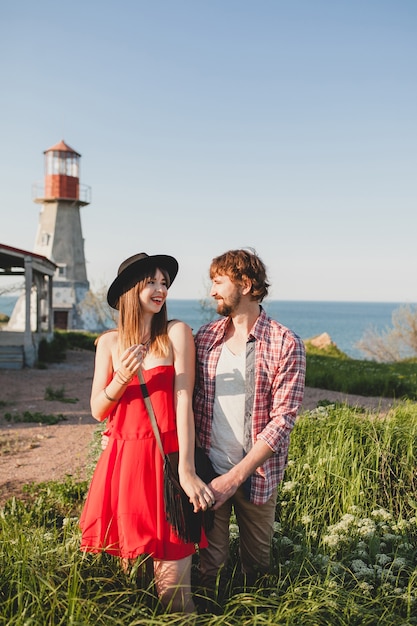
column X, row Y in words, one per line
column 178, row 509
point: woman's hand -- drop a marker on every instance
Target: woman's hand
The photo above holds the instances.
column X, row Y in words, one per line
column 131, row 360
column 199, row 494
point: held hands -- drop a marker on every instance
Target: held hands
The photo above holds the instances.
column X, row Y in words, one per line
column 200, row 494
column 223, row 488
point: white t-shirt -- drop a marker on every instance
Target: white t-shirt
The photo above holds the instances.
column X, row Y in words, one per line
column 228, row 411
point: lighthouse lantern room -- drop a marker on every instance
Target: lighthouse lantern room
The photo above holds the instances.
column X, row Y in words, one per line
column 62, row 167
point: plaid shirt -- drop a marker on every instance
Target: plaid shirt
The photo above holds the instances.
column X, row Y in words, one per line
column 275, row 372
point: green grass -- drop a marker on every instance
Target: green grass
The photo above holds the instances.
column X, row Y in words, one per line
column 34, row 418
column 366, row 378
column 58, row 394
column 344, row 546
column 345, row 540
column 327, row 368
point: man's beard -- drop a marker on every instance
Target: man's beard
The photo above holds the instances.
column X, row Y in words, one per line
column 229, row 306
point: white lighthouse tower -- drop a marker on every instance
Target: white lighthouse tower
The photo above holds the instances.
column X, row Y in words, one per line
column 59, row 238
column 59, row 235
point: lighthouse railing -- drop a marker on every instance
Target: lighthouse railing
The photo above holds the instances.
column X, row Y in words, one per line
column 38, row 193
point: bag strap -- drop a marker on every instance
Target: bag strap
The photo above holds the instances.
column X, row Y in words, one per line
column 150, row 411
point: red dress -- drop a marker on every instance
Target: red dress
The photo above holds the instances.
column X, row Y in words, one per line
column 124, row 511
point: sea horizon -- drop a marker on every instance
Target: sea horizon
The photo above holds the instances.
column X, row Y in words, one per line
column 345, row 321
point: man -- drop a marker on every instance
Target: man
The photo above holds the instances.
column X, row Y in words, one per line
column 249, row 387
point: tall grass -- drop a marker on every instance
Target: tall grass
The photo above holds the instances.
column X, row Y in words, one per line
column 344, row 546
column 367, row 378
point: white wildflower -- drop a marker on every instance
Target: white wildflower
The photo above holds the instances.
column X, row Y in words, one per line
column 332, row 584
column 361, row 554
column 321, row 560
column 366, row 527
column 381, row 515
column 233, row 531
column 365, row 587
column 358, row 565
column 337, row 568
column 289, row 486
column 332, row 540
column 384, row 528
column 285, row 542
column 399, row 563
column 382, row 559
column 361, row 570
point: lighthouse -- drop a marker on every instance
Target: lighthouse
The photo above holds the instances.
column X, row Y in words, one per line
column 59, row 235
column 59, row 238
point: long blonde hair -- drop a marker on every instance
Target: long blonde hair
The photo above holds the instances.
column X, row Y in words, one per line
column 130, row 320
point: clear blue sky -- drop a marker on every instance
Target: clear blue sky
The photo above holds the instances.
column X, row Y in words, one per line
column 285, row 125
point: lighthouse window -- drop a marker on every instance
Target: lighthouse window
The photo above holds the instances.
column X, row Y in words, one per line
column 62, row 163
column 72, row 166
column 61, row 271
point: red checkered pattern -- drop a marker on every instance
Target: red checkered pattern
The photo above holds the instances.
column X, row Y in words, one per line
column 279, row 387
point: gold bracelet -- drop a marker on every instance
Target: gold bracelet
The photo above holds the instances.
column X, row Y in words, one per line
column 123, row 380
column 108, row 397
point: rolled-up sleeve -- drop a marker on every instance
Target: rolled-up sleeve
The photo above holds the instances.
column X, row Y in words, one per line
column 287, row 391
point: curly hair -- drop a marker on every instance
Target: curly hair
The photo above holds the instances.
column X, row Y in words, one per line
column 240, row 265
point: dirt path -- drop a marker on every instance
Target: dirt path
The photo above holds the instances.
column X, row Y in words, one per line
column 36, row 453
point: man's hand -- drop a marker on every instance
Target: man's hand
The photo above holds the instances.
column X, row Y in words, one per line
column 224, row 487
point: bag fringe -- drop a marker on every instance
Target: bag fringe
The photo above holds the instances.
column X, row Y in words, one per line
column 178, row 509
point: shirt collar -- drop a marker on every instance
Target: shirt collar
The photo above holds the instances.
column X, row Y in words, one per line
column 256, row 333
column 258, row 329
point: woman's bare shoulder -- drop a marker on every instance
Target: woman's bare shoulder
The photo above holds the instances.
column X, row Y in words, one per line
column 107, row 339
column 177, row 327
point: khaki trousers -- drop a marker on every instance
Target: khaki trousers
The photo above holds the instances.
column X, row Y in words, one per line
column 256, row 527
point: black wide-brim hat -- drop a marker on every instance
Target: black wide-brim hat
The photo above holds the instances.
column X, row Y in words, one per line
column 136, row 267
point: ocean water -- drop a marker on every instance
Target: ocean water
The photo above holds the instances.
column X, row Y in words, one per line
column 345, row 322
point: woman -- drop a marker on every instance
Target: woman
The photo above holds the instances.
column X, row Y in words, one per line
column 124, row 511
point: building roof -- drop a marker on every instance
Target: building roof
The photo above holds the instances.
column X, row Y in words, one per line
column 62, row 147
column 15, row 258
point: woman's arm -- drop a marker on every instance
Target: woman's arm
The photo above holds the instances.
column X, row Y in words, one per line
column 183, row 347
column 108, row 388
column 103, row 372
